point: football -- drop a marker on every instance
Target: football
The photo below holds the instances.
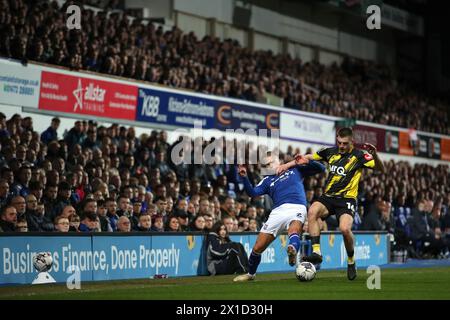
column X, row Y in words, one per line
column 305, row 271
column 43, row 261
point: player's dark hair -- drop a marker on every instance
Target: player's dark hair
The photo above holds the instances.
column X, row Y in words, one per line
column 345, row 132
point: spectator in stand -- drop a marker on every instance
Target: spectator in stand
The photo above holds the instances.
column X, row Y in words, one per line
column 423, row 229
column 228, row 222
column 151, row 209
column 75, row 135
column 8, row 174
column 209, row 222
column 223, row 255
column 379, row 216
column 111, row 206
column 102, row 210
column 137, row 210
column 21, row 187
column 74, row 223
column 228, row 207
column 198, row 224
column 19, row 203
column 21, row 225
column 172, row 224
column 161, row 206
column 36, row 219
column 243, row 224
column 124, row 206
column 63, row 200
column 145, row 223
column 51, row 134
column 67, row 212
column 49, row 199
column 89, row 223
column 123, row 224
column 157, row 223
column 5, row 196
column 204, row 207
column 183, row 219
column 8, row 219
column 62, row 224
column 253, row 225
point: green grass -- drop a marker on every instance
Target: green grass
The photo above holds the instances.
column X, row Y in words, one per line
column 426, row 283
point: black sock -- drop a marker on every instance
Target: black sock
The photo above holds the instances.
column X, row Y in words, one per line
column 350, row 254
column 315, row 240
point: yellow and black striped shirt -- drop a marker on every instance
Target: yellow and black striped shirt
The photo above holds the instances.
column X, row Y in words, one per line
column 344, row 170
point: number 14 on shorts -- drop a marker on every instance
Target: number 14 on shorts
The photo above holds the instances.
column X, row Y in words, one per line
column 350, row 206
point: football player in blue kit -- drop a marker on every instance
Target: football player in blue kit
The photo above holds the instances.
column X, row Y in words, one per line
column 289, row 208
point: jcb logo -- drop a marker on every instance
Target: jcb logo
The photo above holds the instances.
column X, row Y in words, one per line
column 150, row 105
column 339, row 170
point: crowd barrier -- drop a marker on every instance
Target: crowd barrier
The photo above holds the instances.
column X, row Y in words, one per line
column 112, row 256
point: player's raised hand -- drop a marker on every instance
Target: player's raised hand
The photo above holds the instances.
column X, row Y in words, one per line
column 370, row 148
column 242, row 170
column 300, row 159
column 281, row 169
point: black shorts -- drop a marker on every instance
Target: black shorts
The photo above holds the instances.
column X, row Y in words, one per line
column 339, row 206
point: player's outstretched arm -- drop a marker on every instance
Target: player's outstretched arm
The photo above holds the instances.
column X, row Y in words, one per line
column 259, row 190
column 373, row 151
column 312, row 168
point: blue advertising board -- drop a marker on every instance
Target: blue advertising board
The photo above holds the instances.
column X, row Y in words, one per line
column 177, row 255
column 176, row 109
column 274, row 258
column 16, row 258
column 112, row 257
column 370, row 249
column 234, row 115
column 126, row 257
column 185, row 110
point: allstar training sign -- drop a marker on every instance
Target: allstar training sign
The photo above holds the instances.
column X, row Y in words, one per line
column 87, row 96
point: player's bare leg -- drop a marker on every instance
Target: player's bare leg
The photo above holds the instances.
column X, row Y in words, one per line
column 345, row 225
column 294, row 231
column 315, row 212
column 262, row 242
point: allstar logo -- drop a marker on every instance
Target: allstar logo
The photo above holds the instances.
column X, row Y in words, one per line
column 90, row 93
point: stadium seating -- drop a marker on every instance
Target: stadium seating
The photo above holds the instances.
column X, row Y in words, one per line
column 112, row 44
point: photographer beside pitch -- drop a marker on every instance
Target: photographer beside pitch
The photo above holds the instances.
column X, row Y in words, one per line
column 341, row 190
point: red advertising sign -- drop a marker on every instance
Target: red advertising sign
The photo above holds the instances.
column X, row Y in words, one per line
column 445, row 149
column 80, row 95
column 405, row 146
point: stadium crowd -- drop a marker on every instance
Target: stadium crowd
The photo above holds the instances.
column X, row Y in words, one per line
column 100, row 179
column 114, row 45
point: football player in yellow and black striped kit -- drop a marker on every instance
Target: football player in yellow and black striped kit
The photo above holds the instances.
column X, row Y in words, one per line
column 341, row 190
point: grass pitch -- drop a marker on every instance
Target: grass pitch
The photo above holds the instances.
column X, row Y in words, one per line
column 412, row 283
